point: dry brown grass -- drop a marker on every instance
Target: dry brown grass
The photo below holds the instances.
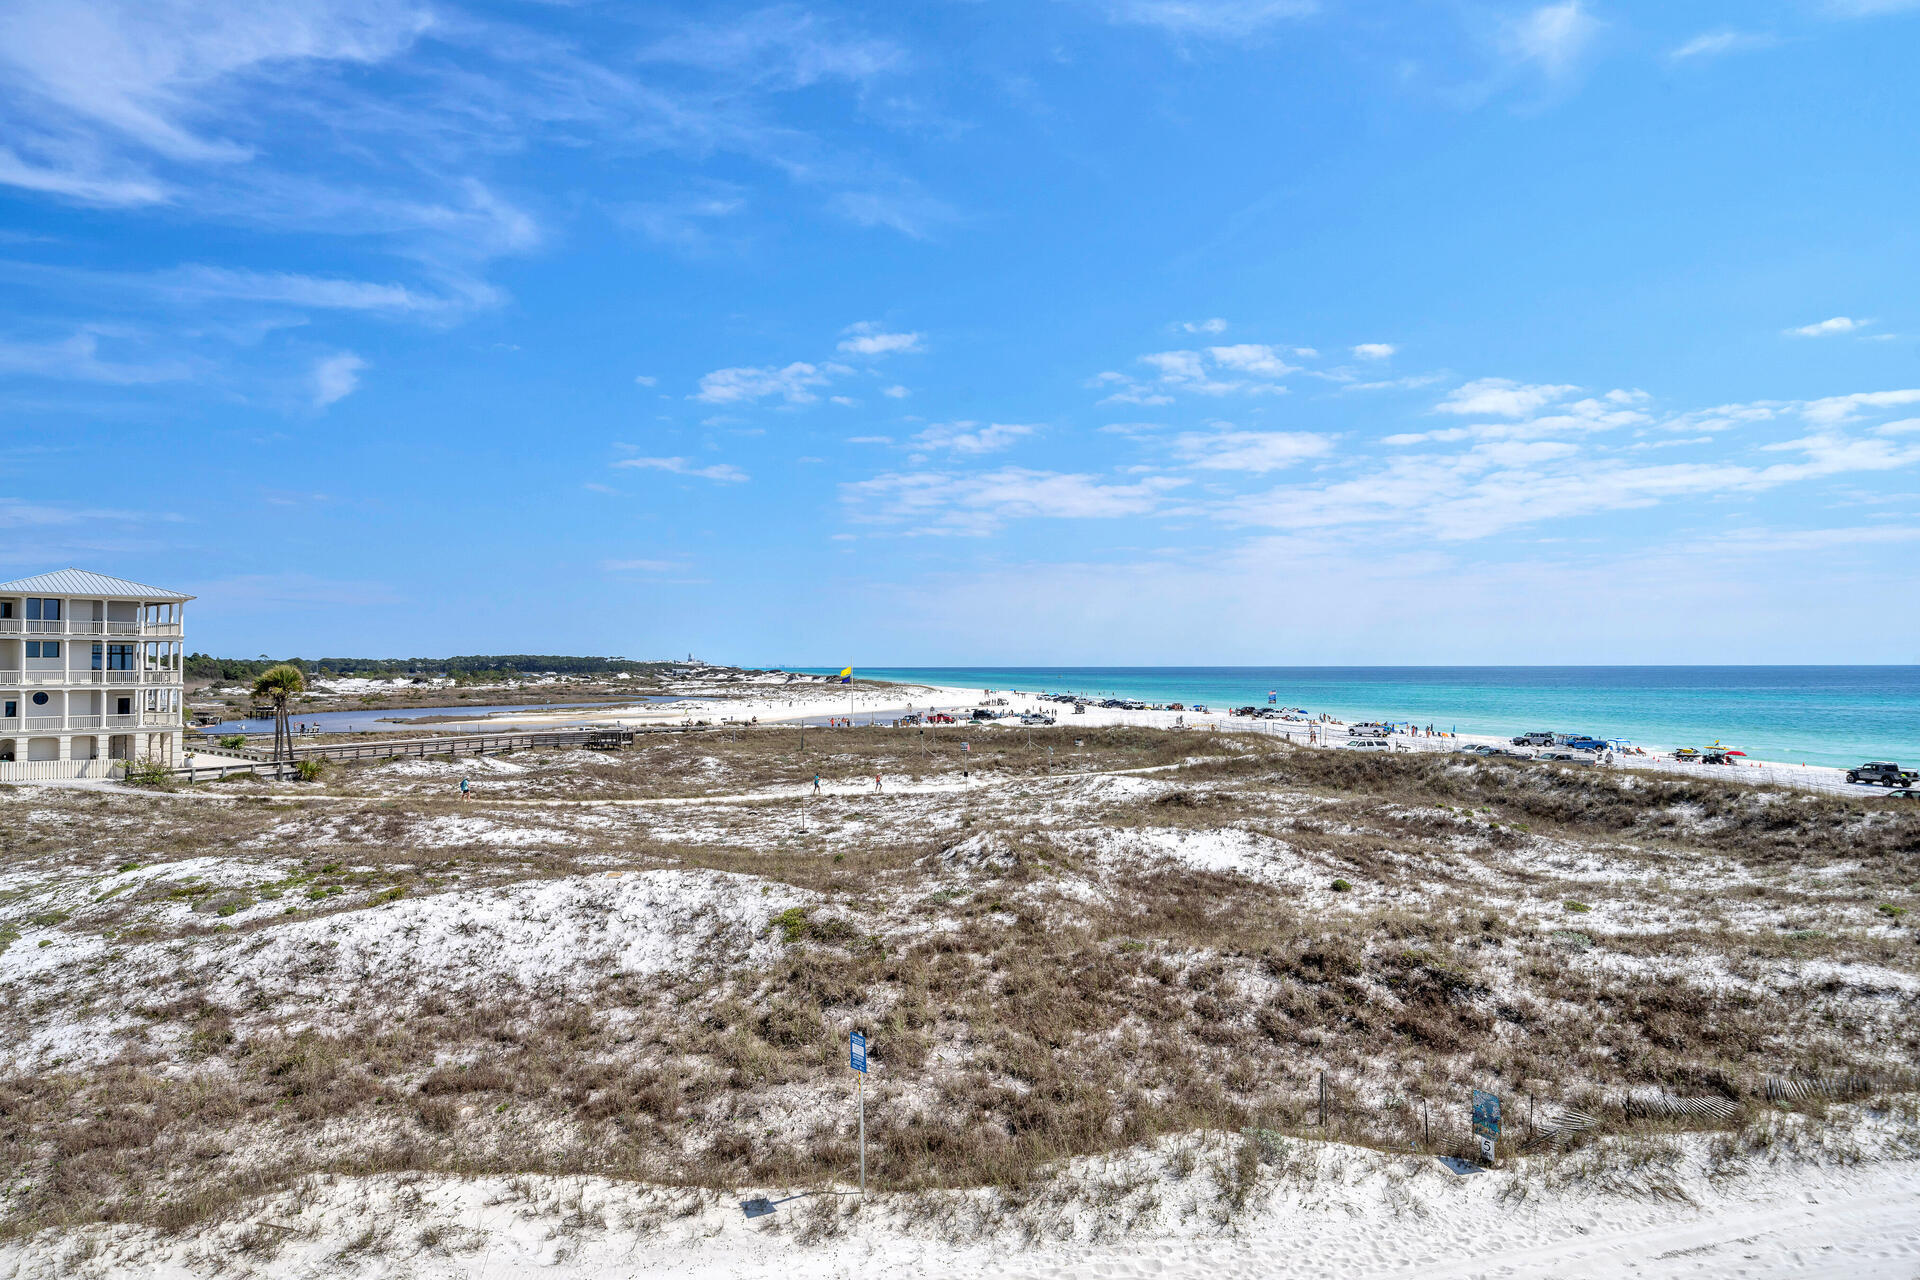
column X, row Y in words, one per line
column 1042, row 997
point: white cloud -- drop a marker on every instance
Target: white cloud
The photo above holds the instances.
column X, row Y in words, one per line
column 904, row 209
column 785, row 46
column 639, row 566
column 86, row 188
column 1834, row 410
column 1249, row 367
column 1711, row 44
column 78, row 359
column 686, row 222
column 140, row 70
column 1254, row 452
column 794, row 384
column 895, row 392
column 1252, row 357
column 336, row 377
column 1212, row 19
column 1553, row 36
column 869, row 339
column 1501, row 397
column 1904, row 427
column 645, row 379
column 971, row 437
column 1870, row 8
column 721, row 471
column 1374, row 351
column 318, row 292
column 945, row 503
column 1209, row 326
column 1826, row 328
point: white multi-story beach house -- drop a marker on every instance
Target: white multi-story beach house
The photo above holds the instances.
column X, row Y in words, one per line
column 90, row 675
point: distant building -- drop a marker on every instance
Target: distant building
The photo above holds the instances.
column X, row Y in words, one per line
column 90, row 674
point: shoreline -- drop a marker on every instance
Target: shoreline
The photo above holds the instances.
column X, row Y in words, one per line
column 875, row 699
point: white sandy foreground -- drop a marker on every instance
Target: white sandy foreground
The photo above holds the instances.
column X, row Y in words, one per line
column 1329, row 1211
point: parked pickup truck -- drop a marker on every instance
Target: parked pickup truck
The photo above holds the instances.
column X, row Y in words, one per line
column 1883, row 773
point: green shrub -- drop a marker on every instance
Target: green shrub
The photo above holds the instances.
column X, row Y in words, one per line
column 309, row 770
column 149, row 773
column 1892, row 912
column 1577, row 906
column 234, row 741
column 129, row 866
column 1340, row 886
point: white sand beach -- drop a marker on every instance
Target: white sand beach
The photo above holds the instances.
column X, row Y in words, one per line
column 813, row 698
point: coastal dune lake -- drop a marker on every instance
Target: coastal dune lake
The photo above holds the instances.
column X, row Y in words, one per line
column 1808, row 715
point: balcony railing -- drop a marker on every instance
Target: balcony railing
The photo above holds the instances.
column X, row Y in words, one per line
column 11, row 725
column 88, row 627
column 54, row 679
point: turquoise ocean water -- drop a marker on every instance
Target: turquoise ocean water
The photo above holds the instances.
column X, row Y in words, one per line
column 1811, row 715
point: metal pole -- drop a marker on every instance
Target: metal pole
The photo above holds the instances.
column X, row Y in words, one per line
column 863, row 1133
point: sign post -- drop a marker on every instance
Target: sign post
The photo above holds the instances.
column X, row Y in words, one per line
column 857, row 1059
column 1486, row 1122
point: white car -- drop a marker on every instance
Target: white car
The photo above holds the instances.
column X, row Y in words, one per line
column 1568, row 757
column 1372, row 744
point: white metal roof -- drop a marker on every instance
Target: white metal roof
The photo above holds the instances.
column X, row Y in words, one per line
column 78, row 582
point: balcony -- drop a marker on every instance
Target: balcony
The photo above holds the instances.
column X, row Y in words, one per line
column 88, row 627
column 11, row 726
column 57, row 679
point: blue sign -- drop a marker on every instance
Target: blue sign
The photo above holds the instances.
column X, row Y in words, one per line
column 1273, row 696
column 1486, row 1114
column 857, row 1052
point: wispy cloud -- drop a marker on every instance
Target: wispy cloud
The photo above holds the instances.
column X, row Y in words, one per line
column 1208, row 19
column 1210, row 326
column 974, row 505
column 1553, row 36
column 640, row 566
column 1251, row 452
column 869, row 338
column 784, row 46
column 1830, row 327
column 972, row 437
column 335, row 377
column 795, row 383
column 78, row 358
column 1374, row 351
column 724, row 472
column 1500, row 397
column 1712, row 44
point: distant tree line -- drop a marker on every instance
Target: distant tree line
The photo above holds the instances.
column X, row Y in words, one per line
column 200, row 666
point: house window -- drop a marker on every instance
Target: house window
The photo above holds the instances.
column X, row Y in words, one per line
column 40, row 608
column 39, row 699
column 125, row 707
column 43, row 648
column 13, row 709
column 6, row 608
column 119, row 657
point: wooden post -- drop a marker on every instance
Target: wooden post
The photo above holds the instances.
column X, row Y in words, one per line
column 1323, row 1099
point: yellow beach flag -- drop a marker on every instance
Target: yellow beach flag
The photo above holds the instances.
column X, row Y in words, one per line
column 846, row 676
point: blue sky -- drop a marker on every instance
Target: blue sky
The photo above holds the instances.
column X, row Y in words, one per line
column 1068, row 331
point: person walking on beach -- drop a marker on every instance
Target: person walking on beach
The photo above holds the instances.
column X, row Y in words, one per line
column 816, row 784
column 876, row 783
column 463, row 788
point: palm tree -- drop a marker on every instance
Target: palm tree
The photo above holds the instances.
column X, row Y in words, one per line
column 279, row 684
